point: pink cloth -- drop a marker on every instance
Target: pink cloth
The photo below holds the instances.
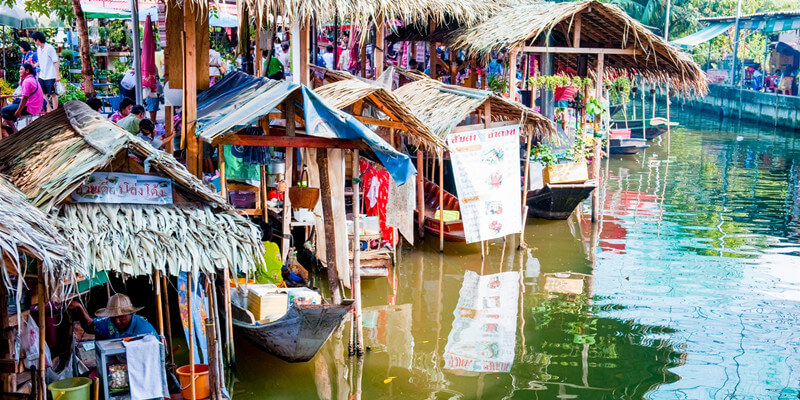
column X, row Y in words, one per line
column 149, row 72
column 31, row 88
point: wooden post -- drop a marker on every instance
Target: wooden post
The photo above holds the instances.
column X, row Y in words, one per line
column 305, row 75
column 189, row 109
column 226, row 297
column 159, row 304
column 42, row 331
column 330, row 229
column 287, row 206
column 223, row 180
column 596, row 156
column 512, row 74
column 420, row 194
column 257, row 61
column 380, row 49
column 576, row 31
column 441, row 200
column 262, row 192
column 432, row 45
column 203, row 46
column 358, row 348
column 167, row 325
column 169, row 129
column 525, row 184
column 173, row 52
column 189, row 278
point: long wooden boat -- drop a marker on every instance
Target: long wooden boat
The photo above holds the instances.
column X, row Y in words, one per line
column 453, row 230
column 558, row 201
column 627, row 146
column 654, row 127
column 298, row 335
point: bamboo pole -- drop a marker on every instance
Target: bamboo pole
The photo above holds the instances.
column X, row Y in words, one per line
column 189, row 293
column 525, row 185
column 357, row 257
column 223, row 180
column 328, row 225
column 287, row 206
column 226, row 296
column 441, row 200
column 159, row 305
column 211, row 342
column 167, row 325
column 596, row 156
column 42, row 361
column 420, row 195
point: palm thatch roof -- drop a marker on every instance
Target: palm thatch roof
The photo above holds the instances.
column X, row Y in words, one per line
column 443, row 107
column 25, row 228
column 54, row 155
column 346, row 93
column 603, row 25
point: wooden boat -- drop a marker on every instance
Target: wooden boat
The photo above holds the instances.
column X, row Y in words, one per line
column 654, row 127
column 627, row 146
column 298, row 335
column 453, row 230
column 557, row 201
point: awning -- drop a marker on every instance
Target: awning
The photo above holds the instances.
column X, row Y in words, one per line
column 240, row 100
column 772, row 24
column 701, row 36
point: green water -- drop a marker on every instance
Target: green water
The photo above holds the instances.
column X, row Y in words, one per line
column 689, row 290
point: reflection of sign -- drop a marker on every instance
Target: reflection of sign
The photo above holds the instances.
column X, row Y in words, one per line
column 555, row 284
column 485, row 325
column 119, row 188
column 486, row 171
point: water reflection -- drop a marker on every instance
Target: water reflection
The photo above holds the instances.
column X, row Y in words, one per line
column 687, row 288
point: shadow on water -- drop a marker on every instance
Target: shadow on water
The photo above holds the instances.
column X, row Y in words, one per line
column 686, row 289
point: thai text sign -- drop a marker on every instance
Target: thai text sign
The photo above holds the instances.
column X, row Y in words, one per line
column 119, row 188
column 487, row 174
column 485, row 326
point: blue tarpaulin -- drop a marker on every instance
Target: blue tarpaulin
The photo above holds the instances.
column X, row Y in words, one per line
column 702, row 36
column 240, row 100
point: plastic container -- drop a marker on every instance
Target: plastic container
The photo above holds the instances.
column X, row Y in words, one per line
column 242, row 198
column 200, row 381
column 71, row 389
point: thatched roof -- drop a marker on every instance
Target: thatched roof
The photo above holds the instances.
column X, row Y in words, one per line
column 25, row 228
column 54, row 155
column 442, row 107
column 603, row 25
column 345, row 93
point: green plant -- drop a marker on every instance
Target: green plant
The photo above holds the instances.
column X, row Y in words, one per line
column 551, row 82
column 117, row 34
column 619, row 90
column 594, row 107
column 67, row 54
column 543, row 153
column 497, row 83
column 72, row 93
column 581, row 149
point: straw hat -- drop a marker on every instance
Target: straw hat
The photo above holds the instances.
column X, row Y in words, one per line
column 118, row 305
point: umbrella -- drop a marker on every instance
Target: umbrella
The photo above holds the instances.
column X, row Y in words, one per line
column 16, row 17
column 149, row 74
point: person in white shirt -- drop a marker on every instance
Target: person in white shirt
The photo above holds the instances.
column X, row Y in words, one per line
column 48, row 69
column 328, row 57
column 216, row 66
column 283, row 56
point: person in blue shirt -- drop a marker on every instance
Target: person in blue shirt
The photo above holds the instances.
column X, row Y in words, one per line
column 118, row 320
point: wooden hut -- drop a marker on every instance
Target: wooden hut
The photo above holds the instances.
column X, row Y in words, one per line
column 26, row 234
column 380, row 108
column 54, row 159
column 447, row 109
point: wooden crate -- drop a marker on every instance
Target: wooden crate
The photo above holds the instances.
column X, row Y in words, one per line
column 264, row 305
column 566, row 173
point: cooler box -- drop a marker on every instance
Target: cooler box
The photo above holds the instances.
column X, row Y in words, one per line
column 303, row 296
column 264, row 302
column 566, row 173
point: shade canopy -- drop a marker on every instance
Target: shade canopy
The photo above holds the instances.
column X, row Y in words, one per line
column 773, row 21
column 16, row 17
column 94, row 11
column 702, row 36
column 240, row 100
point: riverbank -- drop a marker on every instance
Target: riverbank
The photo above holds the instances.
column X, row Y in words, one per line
column 763, row 108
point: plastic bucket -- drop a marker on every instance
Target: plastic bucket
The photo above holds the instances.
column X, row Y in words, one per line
column 71, row 389
column 201, row 389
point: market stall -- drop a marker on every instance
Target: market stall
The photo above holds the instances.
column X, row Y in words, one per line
column 131, row 210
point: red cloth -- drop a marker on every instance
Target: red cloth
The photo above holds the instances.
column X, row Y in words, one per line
column 149, row 74
column 369, row 171
column 565, row 93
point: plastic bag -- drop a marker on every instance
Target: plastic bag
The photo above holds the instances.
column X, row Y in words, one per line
column 29, row 340
column 270, row 270
column 60, row 89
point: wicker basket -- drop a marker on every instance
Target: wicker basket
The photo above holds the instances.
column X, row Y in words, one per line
column 303, row 197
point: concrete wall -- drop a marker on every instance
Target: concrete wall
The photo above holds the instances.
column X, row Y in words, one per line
column 763, row 108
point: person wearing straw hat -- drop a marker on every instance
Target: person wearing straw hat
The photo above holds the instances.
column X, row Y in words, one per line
column 117, row 320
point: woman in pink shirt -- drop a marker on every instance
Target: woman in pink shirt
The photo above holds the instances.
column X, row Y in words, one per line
column 31, row 101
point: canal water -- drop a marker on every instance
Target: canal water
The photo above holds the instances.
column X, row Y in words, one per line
column 688, row 289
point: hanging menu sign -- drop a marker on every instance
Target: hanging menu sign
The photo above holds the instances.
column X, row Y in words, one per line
column 487, row 174
column 119, row 188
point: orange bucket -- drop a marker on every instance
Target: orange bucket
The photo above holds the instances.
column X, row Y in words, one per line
column 200, row 381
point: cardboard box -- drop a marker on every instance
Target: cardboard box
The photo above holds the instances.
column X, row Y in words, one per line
column 566, row 173
column 267, row 305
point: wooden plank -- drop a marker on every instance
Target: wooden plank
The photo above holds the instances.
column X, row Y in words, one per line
column 203, row 45
column 189, row 109
column 475, row 127
column 309, row 142
column 382, row 122
column 575, row 50
column 173, row 52
column 512, row 74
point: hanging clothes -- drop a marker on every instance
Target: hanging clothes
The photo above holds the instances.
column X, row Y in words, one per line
column 376, row 189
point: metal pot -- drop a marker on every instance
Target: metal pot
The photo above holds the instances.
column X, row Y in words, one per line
column 276, row 167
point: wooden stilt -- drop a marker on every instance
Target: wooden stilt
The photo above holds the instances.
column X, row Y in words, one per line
column 359, row 350
column 210, row 331
column 189, row 293
column 287, row 206
column 596, row 156
column 159, row 304
column 189, row 108
column 42, row 373
column 525, row 184
column 420, row 195
column 167, row 325
column 330, row 229
column 226, row 297
column 441, row 200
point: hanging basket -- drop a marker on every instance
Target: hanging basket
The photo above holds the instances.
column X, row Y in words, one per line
column 303, row 197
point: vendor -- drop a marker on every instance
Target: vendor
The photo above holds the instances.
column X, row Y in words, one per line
column 115, row 321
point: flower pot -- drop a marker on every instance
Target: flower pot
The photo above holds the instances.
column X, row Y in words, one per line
column 566, row 173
